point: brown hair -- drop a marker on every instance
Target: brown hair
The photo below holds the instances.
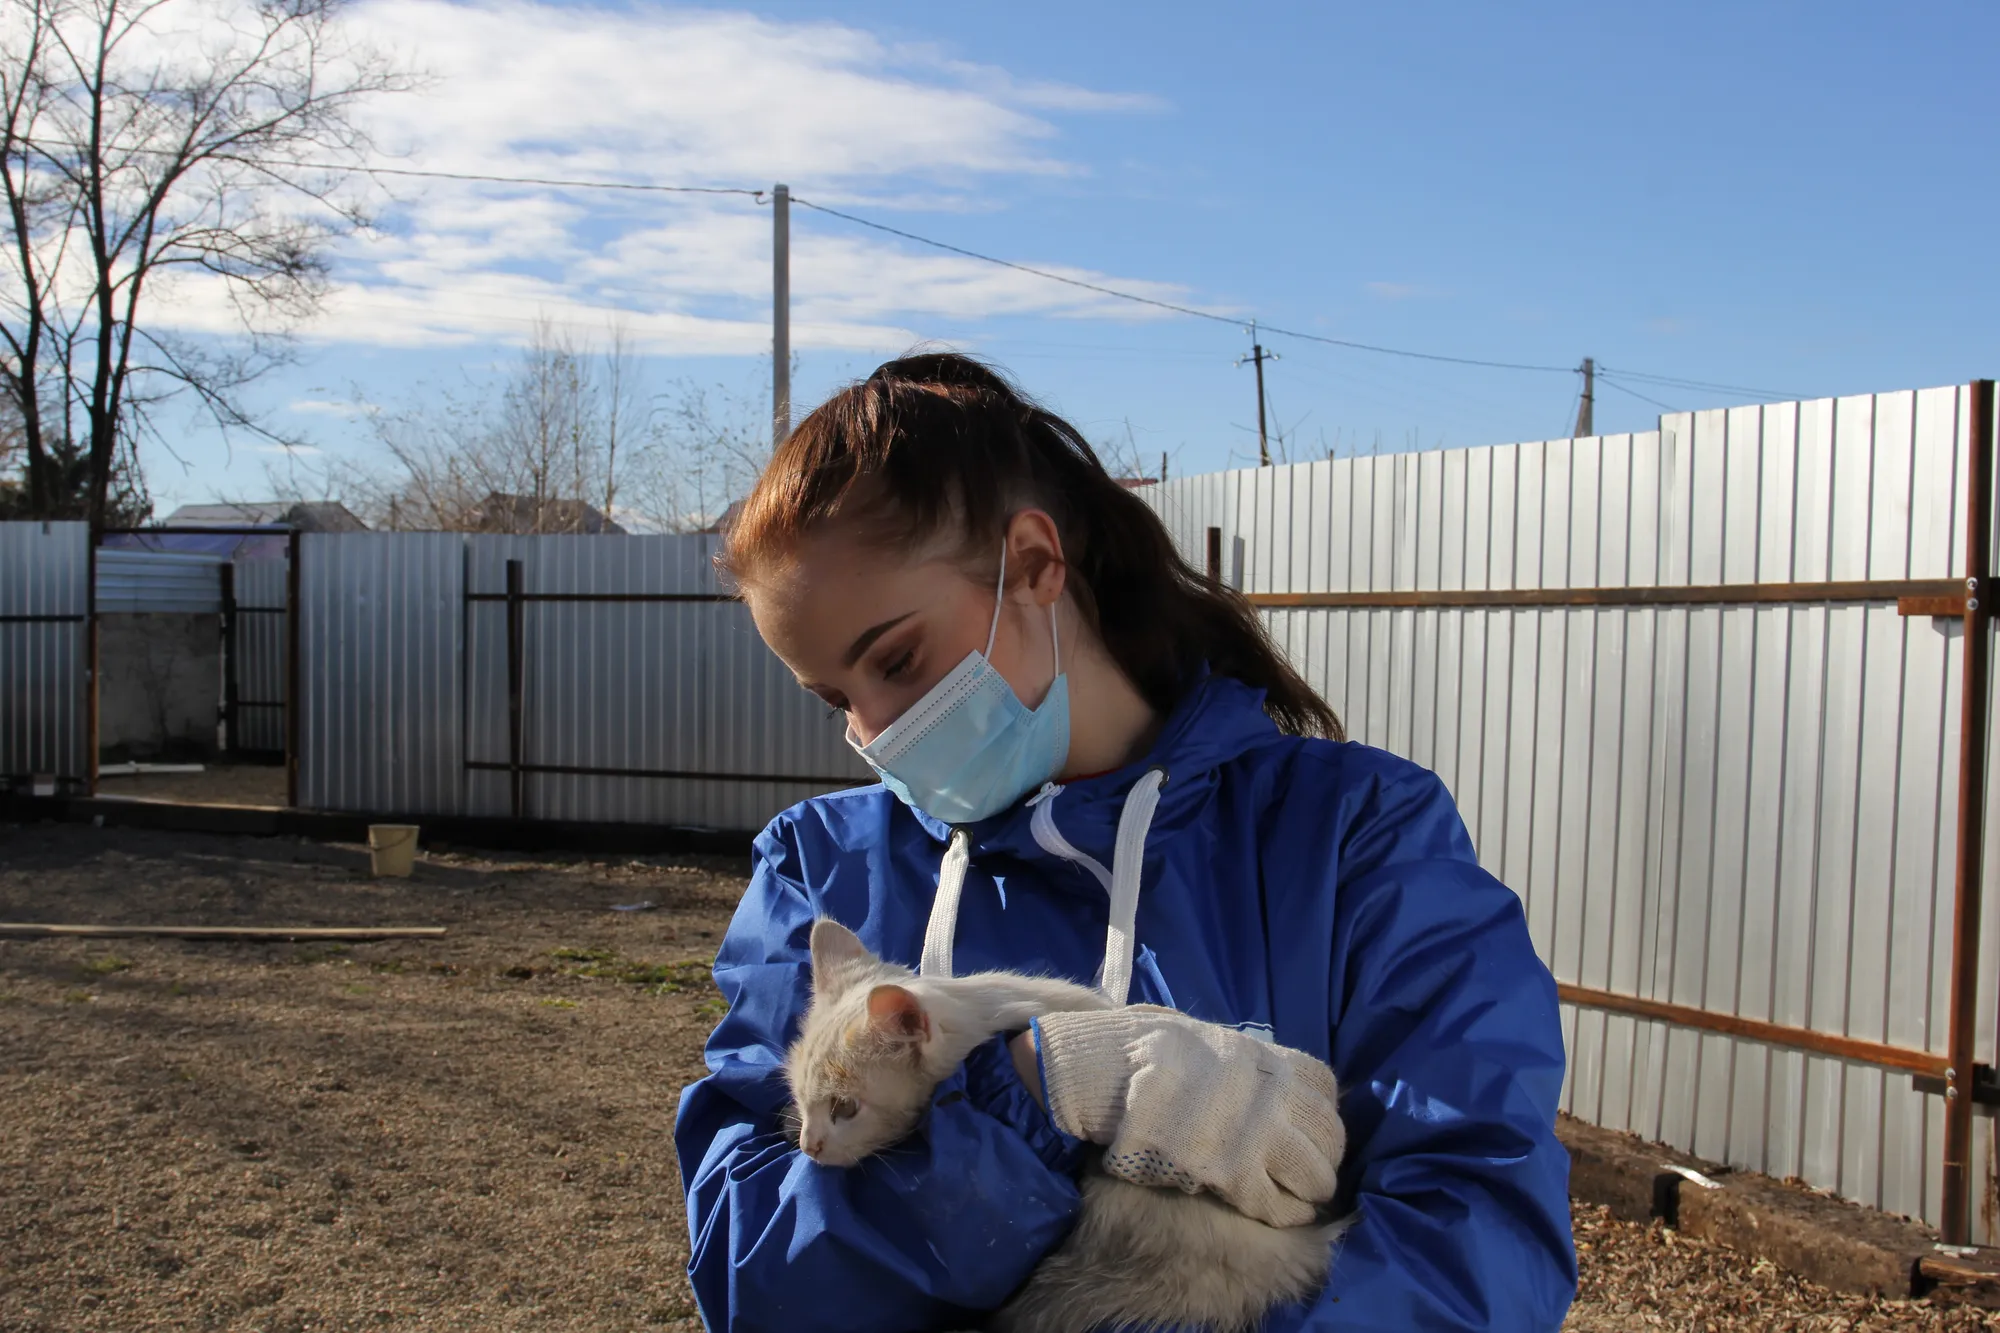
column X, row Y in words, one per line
column 939, row 445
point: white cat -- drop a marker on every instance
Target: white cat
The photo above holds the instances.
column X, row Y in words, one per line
column 878, row 1039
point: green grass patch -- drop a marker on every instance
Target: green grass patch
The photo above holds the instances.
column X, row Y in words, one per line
column 105, row 966
column 657, row 978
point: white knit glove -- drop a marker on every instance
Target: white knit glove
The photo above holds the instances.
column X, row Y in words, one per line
column 1180, row 1102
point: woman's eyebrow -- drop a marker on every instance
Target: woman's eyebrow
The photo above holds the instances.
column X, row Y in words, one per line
column 868, row 637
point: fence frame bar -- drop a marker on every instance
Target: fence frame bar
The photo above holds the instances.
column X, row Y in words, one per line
column 229, row 684
column 516, row 670
column 294, row 704
column 1921, row 1063
column 1717, row 594
column 1960, row 1074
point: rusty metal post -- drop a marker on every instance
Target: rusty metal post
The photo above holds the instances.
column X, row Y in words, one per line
column 515, row 606
column 93, row 665
column 294, row 701
column 1215, row 555
column 1956, row 1211
column 229, row 684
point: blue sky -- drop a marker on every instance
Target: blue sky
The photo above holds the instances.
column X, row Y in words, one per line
column 1796, row 198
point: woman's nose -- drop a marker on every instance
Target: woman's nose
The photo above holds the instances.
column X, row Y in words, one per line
column 864, row 725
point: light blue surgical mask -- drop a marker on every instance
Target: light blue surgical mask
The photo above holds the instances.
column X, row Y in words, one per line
column 970, row 748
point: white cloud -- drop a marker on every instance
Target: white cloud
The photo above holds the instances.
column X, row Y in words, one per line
column 667, row 95
column 1398, row 291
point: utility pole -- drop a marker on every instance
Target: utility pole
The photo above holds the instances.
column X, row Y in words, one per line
column 1163, row 467
column 1586, row 406
column 781, row 314
column 1259, row 356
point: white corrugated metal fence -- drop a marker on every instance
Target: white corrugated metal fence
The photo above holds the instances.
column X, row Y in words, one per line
column 660, row 710
column 1742, row 808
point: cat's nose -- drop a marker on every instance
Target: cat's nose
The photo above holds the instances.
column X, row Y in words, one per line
column 815, row 1148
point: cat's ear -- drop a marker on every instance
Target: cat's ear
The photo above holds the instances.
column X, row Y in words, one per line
column 894, row 1012
column 835, row 949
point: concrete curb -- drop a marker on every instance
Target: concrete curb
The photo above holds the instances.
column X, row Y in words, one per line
column 1839, row 1245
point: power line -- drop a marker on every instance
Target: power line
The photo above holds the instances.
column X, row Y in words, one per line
column 759, row 195
column 1699, row 385
column 552, row 181
column 1169, row 305
column 1602, row 378
column 1020, row 268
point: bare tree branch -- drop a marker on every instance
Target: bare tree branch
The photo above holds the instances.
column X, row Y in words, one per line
column 150, row 147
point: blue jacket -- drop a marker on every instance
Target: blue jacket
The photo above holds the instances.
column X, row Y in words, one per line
column 1325, row 894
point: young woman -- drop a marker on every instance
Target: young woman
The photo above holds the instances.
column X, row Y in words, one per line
column 1095, row 765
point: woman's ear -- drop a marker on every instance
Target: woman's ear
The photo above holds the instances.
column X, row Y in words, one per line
column 1034, row 548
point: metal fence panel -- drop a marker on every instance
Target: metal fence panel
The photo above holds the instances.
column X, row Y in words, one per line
column 158, row 582
column 391, row 646
column 660, row 686
column 44, row 651
column 1744, row 808
column 260, row 644
column 380, row 647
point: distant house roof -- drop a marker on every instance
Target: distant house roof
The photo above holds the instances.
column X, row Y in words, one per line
column 308, row 516
column 521, row 515
column 728, row 517
column 1134, row 483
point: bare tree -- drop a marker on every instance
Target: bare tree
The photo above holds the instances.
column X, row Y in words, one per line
column 198, row 145
column 705, row 445
column 568, row 424
column 548, row 440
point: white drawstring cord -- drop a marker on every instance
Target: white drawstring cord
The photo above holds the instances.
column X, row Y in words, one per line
column 1128, row 862
column 943, row 924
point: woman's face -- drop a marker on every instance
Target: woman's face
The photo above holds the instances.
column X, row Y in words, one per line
column 870, row 632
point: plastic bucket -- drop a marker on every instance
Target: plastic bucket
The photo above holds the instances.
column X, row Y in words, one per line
column 392, row 849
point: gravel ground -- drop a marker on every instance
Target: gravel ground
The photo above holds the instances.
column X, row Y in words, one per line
column 470, row 1133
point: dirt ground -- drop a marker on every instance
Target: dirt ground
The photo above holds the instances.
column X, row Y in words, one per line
column 467, row 1133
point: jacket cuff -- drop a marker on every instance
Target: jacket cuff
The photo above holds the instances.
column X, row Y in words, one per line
column 994, row 1086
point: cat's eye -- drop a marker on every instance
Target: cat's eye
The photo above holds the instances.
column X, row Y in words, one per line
column 845, row 1108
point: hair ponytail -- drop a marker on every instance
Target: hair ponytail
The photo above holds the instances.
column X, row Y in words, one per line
column 939, row 445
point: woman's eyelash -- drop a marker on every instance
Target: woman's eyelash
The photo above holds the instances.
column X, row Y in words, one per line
column 900, row 665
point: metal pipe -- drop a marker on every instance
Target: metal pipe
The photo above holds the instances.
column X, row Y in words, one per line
column 1720, row 594
column 1214, row 554
column 1955, row 1213
column 229, row 684
column 612, row 596
column 781, row 314
column 92, row 733
column 682, row 774
column 294, row 702
column 517, row 793
column 1756, row 1029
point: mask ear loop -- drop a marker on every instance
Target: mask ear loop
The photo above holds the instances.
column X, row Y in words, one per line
column 1000, row 600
